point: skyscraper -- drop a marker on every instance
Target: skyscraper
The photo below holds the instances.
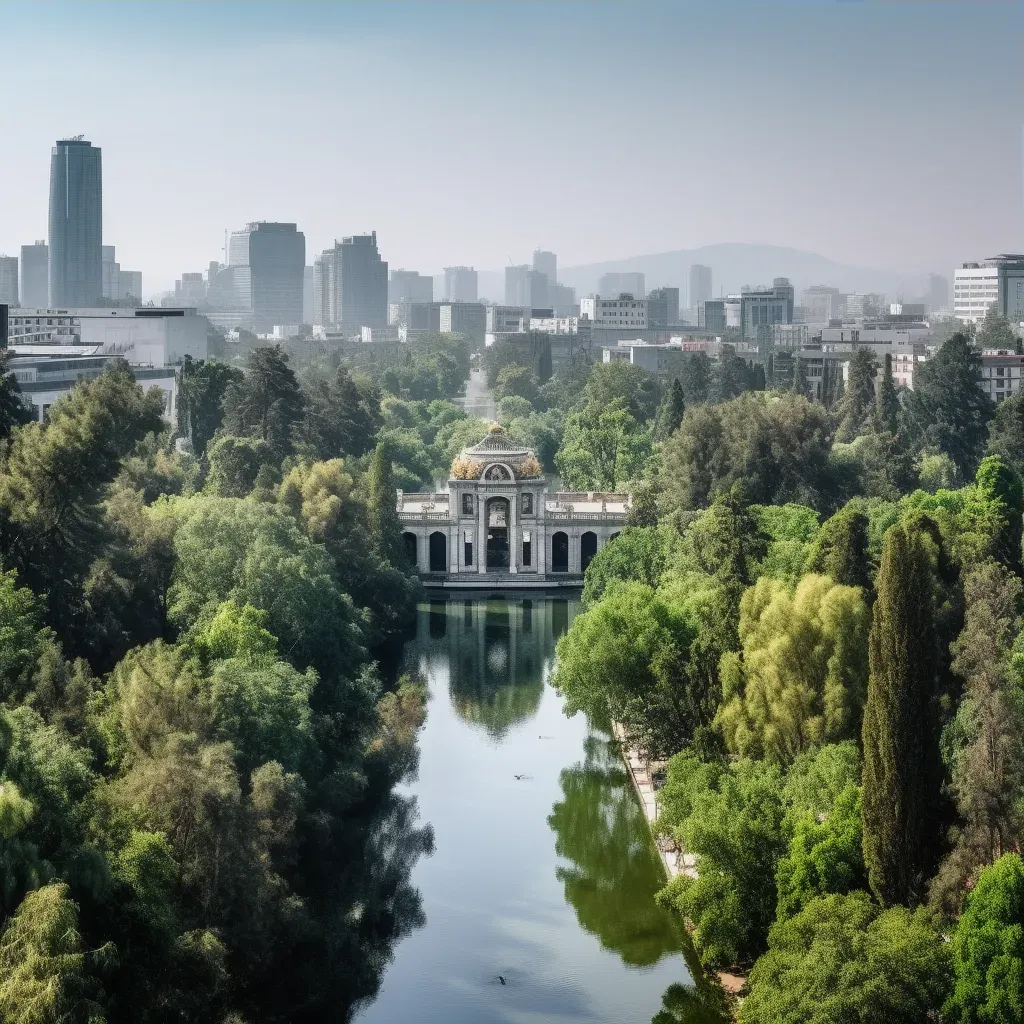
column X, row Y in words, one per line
column 526, row 287
column 9, row 280
column 76, row 224
column 700, row 285
column 546, row 263
column 276, row 257
column 612, row 285
column 938, row 292
column 350, row 285
column 111, row 273
column 35, row 275
column 410, row 286
column 663, row 307
column 460, row 284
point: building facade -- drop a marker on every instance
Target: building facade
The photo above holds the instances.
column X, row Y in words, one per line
column 9, row 280
column 663, row 307
column 546, row 263
column 711, row 315
column 410, row 286
column 352, row 285
column 975, row 290
column 1001, row 374
column 618, row 282
column 76, row 224
column 625, row 311
column 765, row 306
column 35, row 274
column 820, row 303
column 460, row 284
column 700, row 285
column 497, row 522
column 275, row 254
column 466, row 318
column 111, row 273
column 525, row 286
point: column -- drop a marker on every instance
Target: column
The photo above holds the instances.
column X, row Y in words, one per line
column 480, row 552
column 513, row 533
column 574, row 551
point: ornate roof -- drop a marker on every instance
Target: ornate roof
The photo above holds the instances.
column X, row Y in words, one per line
column 497, row 446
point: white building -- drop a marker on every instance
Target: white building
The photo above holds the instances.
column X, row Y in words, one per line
column 975, row 289
column 624, row 311
column 144, row 336
column 657, row 358
column 1001, row 374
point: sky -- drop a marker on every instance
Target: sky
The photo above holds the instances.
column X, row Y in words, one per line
column 886, row 135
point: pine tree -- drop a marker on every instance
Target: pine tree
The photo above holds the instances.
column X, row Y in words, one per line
column 800, row 385
column 888, row 403
column 859, row 398
column 896, row 732
column 673, row 407
column 382, row 506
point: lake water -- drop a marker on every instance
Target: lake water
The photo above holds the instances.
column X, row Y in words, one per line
column 548, row 879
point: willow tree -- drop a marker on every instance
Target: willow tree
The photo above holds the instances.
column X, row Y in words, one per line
column 902, row 654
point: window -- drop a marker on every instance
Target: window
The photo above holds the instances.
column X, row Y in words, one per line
column 468, row 547
column 527, row 548
column 467, row 504
column 526, row 502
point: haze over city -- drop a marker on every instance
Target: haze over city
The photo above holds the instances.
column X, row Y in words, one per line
column 876, row 135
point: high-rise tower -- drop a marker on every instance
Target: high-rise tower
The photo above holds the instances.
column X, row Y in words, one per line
column 76, row 224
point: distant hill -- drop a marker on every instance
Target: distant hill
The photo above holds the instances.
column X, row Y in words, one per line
column 733, row 265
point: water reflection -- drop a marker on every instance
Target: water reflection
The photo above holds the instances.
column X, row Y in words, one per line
column 688, row 1004
column 614, row 871
column 496, row 651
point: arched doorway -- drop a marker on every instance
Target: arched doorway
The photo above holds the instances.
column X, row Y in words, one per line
column 497, row 533
column 409, row 541
column 588, row 548
column 560, row 552
column 438, row 552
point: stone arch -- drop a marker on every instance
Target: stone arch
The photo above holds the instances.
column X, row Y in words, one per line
column 438, row 552
column 560, row 552
column 588, row 548
column 498, row 471
column 411, row 547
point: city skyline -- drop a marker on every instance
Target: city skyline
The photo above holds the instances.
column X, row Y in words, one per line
column 863, row 169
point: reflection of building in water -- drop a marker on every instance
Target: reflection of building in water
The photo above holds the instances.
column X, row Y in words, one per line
column 496, row 651
column 497, row 521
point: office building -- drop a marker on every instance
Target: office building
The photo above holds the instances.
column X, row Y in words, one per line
column 111, row 273
column 415, row 316
column 466, row 318
column 460, row 284
column 625, row 311
column 858, row 306
column 275, row 255
column 700, row 285
column 764, row 307
column 525, row 286
column 410, row 286
column 663, row 307
column 130, row 284
column 546, row 263
column 820, row 304
column 307, row 295
column 353, row 285
column 938, row 293
column 190, row 290
column 975, row 289
column 1010, row 285
column 4, row 312
column 503, row 319
column 35, row 274
column 1001, row 374
column 144, row 336
column 9, row 280
column 615, row 284
column 76, row 224
column 711, row 315
column 562, row 299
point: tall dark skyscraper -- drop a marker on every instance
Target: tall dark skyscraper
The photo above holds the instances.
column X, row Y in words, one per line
column 35, row 275
column 276, row 257
column 350, row 285
column 76, row 224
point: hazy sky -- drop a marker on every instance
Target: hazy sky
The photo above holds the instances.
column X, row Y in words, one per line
column 881, row 134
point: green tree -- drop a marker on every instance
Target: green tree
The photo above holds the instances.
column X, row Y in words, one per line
column 267, row 402
column 950, row 407
column 798, row 681
column 602, row 449
column 382, row 507
column 673, row 407
column 896, row 731
column 201, row 397
column 800, row 385
column 633, row 388
column 996, row 332
column 44, row 967
column 988, row 949
column 235, row 463
column 516, row 380
column 1006, row 432
column 1000, row 486
column 13, row 411
column 858, row 401
column 638, row 553
column 888, row 404
column 841, row 549
column 988, row 766
column 695, row 378
column 842, row 958
column 341, row 416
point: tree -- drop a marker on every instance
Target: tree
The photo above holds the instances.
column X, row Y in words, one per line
column 800, row 385
column 858, row 401
column 267, row 402
column 732, row 819
column 988, row 949
column 730, row 377
column 516, row 380
column 997, row 333
column 602, row 448
column 341, row 416
column 888, row 404
column 902, row 648
column 235, row 463
column 988, row 767
column 1006, row 432
column 44, row 968
column 1000, row 487
column 673, row 407
column 201, row 397
column 13, row 411
column 841, row 549
column 695, row 378
column 633, row 388
column 382, row 507
column 842, row 958
column 638, row 553
column 950, row 407
column 798, row 681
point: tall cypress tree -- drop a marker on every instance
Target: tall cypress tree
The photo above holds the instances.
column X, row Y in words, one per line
column 673, row 407
column 888, row 405
column 382, row 505
column 841, row 549
column 897, row 734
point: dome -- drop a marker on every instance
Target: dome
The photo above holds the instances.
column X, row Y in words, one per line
column 496, row 447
